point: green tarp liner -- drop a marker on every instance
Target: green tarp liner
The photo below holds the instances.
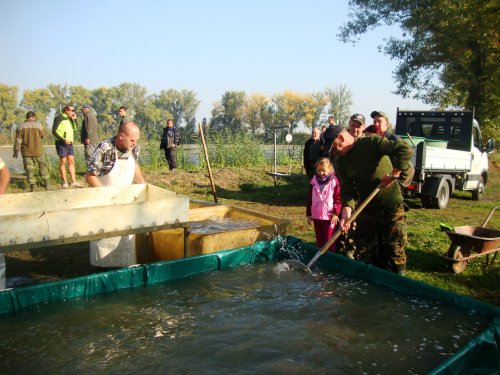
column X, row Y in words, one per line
column 481, row 355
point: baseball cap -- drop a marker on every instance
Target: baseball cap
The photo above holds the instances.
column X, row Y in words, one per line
column 358, row 117
column 332, row 132
column 380, row 114
column 85, row 106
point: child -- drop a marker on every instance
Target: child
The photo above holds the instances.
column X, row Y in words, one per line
column 324, row 205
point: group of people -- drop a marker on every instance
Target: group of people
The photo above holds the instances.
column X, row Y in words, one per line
column 344, row 166
column 30, row 134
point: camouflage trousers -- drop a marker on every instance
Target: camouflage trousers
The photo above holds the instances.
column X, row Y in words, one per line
column 34, row 164
column 345, row 243
column 380, row 239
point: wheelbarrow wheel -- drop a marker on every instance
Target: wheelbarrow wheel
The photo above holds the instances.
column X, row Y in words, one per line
column 457, row 252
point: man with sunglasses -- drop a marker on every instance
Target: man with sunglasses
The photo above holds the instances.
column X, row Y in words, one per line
column 63, row 129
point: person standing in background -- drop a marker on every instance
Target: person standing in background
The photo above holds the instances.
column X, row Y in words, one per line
column 381, row 120
column 122, row 112
column 89, row 135
column 4, row 182
column 28, row 140
column 312, row 152
column 170, row 139
column 63, row 130
column 327, row 137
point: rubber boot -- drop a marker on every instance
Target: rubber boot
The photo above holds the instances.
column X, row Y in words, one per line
column 32, row 187
column 46, row 184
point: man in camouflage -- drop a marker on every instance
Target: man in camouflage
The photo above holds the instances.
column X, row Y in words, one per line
column 361, row 165
column 29, row 137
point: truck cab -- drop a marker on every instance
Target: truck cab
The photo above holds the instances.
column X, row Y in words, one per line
column 448, row 154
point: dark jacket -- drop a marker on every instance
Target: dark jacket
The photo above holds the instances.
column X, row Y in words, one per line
column 89, row 128
column 312, row 153
column 327, row 140
column 169, row 137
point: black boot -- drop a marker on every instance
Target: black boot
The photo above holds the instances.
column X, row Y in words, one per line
column 32, row 187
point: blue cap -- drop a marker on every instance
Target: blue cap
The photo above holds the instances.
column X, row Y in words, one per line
column 85, row 106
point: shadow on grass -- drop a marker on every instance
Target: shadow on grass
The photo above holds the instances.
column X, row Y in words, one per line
column 290, row 192
column 423, row 261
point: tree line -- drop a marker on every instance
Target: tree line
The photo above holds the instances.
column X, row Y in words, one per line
column 237, row 111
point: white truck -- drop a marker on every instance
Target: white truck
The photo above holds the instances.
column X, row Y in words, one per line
column 448, row 154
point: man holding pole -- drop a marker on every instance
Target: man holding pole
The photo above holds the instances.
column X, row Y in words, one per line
column 363, row 165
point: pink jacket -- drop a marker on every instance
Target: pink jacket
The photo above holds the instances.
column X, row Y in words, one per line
column 323, row 204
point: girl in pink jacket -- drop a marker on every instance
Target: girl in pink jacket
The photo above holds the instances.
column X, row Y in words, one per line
column 324, row 205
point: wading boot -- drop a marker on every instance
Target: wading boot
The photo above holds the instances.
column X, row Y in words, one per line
column 46, row 184
column 32, row 187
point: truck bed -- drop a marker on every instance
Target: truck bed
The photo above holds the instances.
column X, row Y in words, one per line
column 437, row 159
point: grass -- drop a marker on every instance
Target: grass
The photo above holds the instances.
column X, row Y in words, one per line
column 251, row 187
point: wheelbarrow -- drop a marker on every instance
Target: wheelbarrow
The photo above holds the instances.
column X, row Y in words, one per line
column 467, row 240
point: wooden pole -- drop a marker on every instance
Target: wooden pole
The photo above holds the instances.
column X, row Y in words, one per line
column 208, row 163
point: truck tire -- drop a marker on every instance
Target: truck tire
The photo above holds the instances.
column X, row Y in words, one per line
column 443, row 196
column 478, row 193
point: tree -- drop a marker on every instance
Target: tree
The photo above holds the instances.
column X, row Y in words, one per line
column 79, row 95
column 59, row 96
column 39, row 101
column 340, row 103
column 180, row 105
column 8, row 104
column 253, row 112
column 228, row 113
column 291, row 108
column 448, row 54
column 151, row 117
column 314, row 107
column 102, row 102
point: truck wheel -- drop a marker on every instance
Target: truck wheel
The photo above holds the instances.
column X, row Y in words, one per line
column 443, row 196
column 478, row 193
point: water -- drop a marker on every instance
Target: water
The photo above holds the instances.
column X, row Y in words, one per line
column 258, row 318
column 220, row 224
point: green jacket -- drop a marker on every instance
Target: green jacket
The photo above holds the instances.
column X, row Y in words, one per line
column 29, row 137
column 359, row 171
column 64, row 128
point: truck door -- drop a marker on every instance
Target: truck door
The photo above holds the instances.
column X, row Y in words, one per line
column 479, row 161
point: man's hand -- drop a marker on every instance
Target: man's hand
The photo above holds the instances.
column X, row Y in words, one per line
column 344, row 216
column 389, row 179
column 14, row 155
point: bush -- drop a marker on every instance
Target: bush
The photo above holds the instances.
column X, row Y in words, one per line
column 226, row 149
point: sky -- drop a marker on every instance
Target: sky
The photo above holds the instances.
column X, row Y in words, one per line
column 210, row 47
